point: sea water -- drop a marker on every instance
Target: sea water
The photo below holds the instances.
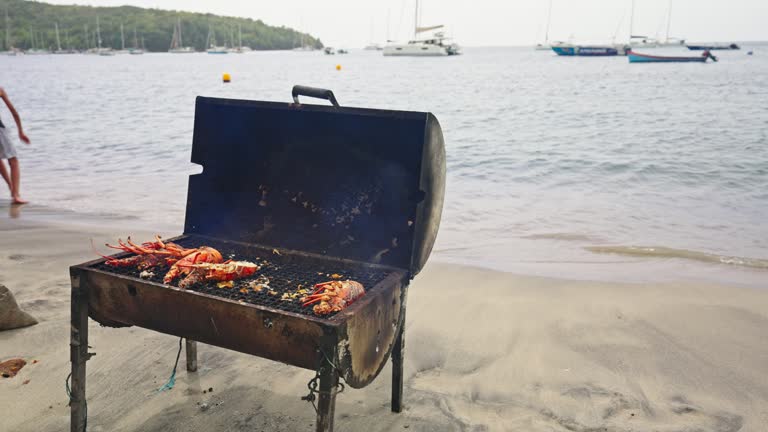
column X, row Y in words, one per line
column 583, row 167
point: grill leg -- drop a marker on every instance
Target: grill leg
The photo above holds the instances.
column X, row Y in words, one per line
column 78, row 354
column 191, row 351
column 397, row 369
column 329, row 379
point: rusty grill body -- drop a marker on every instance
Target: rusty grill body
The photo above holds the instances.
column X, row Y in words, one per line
column 305, row 191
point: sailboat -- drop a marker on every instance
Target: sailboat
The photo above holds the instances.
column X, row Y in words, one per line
column 9, row 49
column 99, row 50
column 59, row 49
column 545, row 46
column 33, row 50
column 638, row 41
column 135, row 50
column 211, row 42
column 671, row 41
column 122, row 49
column 427, row 47
column 303, row 46
column 239, row 49
column 373, row 46
column 177, row 46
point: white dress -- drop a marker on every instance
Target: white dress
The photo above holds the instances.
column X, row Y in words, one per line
column 7, row 150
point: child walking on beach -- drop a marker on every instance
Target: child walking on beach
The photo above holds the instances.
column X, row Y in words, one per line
column 7, row 151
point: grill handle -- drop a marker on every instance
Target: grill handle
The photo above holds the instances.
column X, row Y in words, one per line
column 300, row 90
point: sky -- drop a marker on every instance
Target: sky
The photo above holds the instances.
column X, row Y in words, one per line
column 354, row 23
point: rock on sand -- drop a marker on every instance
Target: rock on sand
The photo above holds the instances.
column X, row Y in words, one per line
column 11, row 317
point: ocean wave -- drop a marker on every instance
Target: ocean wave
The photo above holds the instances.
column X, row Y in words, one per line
column 666, row 252
column 561, row 236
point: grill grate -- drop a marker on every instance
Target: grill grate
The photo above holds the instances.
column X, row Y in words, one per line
column 285, row 273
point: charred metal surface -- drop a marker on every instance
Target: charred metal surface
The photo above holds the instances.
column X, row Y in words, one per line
column 280, row 273
column 241, row 327
column 254, row 329
column 356, row 183
column 369, row 333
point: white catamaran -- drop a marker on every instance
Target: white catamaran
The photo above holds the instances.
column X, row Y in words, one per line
column 434, row 45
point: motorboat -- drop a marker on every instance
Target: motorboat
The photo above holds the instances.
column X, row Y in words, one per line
column 635, row 57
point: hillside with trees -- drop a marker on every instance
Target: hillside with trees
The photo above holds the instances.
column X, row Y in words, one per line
column 32, row 25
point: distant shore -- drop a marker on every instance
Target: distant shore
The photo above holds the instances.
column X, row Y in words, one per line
column 486, row 350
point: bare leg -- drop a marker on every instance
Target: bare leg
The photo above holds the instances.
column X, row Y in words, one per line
column 4, row 174
column 15, row 181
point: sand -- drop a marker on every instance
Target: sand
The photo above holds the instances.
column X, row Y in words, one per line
column 485, row 351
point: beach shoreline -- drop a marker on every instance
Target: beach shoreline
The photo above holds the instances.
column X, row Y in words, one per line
column 485, row 350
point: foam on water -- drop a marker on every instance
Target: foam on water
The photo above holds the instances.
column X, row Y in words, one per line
column 665, row 252
column 546, row 155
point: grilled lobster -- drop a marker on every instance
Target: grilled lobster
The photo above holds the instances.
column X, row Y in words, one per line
column 333, row 296
column 226, row 271
column 147, row 255
column 201, row 255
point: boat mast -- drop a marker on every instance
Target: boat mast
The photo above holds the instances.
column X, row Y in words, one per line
column 416, row 22
column 122, row 37
column 58, row 40
column 135, row 39
column 632, row 21
column 240, row 37
column 7, row 31
column 549, row 16
column 98, row 34
column 388, row 17
column 178, row 24
column 669, row 19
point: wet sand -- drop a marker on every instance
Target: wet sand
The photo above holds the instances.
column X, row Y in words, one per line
column 485, row 351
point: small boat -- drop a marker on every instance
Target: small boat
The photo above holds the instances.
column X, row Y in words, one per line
column 646, row 58
column 732, row 46
column 585, row 50
column 329, row 51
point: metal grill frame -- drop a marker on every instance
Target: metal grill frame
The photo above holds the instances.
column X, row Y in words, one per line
column 358, row 340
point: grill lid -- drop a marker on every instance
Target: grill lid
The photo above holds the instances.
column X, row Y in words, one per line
column 360, row 184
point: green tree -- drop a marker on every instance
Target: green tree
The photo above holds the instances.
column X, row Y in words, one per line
column 34, row 23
